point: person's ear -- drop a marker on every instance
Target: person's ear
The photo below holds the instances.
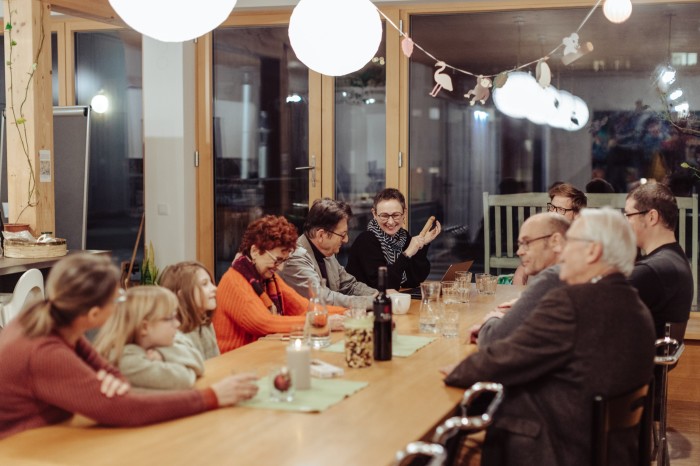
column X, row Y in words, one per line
column 143, row 328
column 93, row 316
column 653, row 216
column 594, row 252
column 557, row 242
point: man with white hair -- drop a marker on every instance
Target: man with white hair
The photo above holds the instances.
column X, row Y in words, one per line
column 591, row 336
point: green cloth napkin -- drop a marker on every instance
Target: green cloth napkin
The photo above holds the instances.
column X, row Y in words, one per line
column 322, row 394
column 402, row 347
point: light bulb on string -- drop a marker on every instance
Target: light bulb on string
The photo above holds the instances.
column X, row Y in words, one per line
column 335, row 37
column 173, row 20
column 617, row 11
column 99, row 103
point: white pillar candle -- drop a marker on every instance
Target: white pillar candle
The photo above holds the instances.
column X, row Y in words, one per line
column 299, row 364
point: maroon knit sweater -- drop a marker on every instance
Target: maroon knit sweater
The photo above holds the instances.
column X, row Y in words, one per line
column 44, row 381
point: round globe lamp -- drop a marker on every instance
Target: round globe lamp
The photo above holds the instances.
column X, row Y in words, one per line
column 99, row 103
column 335, row 37
column 617, row 11
column 173, row 20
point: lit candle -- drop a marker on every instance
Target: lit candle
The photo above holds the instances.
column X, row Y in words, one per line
column 299, row 364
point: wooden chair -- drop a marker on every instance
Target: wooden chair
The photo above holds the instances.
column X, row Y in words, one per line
column 29, row 286
column 434, row 454
column 505, row 213
column 619, row 413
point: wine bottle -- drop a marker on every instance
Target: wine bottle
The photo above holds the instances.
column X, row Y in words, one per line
column 382, row 320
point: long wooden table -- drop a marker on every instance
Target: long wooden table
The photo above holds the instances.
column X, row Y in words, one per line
column 404, row 401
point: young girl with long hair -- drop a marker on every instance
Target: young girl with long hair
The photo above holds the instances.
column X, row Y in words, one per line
column 140, row 340
column 194, row 287
column 49, row 369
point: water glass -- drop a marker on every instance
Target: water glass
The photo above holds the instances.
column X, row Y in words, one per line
column 464, row 284
column 429, row 312
column 481, row 282
column 491, row 283
column 449, row 319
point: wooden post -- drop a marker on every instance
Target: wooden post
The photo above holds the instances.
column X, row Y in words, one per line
column 29, row 114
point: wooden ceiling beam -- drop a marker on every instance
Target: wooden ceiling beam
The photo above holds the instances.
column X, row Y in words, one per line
column 98, row 10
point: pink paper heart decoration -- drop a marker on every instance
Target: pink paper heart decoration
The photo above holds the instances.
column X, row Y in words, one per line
column 407, row 47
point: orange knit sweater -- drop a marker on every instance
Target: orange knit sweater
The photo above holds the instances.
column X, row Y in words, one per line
column 241, row 317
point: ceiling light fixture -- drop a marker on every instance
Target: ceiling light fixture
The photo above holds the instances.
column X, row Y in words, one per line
column 335, row 37
column 617, row 11
column 173, row 20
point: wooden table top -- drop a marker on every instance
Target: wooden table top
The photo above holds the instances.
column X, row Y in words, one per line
column 404, row 401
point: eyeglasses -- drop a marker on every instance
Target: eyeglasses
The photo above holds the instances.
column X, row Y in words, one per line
column 342, row 235
column 121, row 298
column 560, row 210
column 632, row 214
column 396, row 216
column 278, row 261
column 525, row 243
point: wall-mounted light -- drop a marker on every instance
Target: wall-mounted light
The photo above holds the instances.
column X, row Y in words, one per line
column 173, row 20
column 99, row 103
column 335, row 37
column 617, row 11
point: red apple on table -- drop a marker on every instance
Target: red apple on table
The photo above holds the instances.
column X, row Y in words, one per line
column 282, row 381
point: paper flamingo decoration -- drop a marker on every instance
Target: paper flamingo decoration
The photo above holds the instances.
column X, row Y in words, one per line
column 442, row 80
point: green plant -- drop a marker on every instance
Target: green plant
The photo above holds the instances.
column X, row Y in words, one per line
column 687, row 166
column 18, row 117
column 149, row 271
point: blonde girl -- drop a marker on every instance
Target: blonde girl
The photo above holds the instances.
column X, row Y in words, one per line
column 140, row 340
column 194, row 287
column 50, row 371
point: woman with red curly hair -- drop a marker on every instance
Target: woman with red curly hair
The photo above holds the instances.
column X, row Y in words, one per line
column 252, row 300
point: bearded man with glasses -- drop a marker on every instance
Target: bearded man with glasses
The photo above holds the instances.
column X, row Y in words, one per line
column 325, row 232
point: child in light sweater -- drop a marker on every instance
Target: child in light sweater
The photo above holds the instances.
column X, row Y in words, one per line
column 142, row 340
column 194, row 287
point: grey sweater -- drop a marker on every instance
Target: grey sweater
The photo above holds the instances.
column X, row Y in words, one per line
column 538, row 286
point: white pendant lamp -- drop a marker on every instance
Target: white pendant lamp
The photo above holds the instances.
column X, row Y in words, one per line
column 617, row 11
column 335, row 37
column 173, row 20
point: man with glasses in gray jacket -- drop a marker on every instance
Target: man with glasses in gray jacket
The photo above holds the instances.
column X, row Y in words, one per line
column 325, row 232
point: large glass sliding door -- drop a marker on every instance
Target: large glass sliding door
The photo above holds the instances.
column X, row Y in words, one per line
column 634, row 132
column 360, row 140
column 261, row 133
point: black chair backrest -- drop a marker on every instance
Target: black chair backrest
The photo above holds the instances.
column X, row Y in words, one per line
column 619, row 413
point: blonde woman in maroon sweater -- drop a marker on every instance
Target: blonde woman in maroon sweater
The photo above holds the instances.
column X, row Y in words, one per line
column 49, row 370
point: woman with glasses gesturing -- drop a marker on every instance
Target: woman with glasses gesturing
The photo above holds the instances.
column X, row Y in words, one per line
column 387, row 243
column 252, row 300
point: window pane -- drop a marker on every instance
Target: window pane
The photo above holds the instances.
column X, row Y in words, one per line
column 110, row 62
column 458, row 150
column 260, row 133
column 360, row 141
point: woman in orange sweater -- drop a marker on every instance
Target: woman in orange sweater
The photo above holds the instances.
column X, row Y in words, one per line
column 252, row 300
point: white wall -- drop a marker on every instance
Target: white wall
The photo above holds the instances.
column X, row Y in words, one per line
column 169, row 135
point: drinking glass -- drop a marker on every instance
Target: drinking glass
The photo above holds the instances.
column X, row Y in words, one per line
column 481, row 280
column 429, row 312
column 317, row 327
column 449, row 319
column 491, row 283
column 464, row 284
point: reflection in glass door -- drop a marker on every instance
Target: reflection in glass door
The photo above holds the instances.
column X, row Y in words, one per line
column 260, row 133
column 360, row 141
